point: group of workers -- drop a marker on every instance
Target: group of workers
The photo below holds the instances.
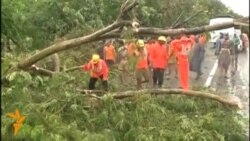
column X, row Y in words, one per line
column 151, row 58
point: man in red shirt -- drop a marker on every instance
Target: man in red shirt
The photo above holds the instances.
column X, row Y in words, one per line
column 159, row 61
column 98, row 69
column 109, row 53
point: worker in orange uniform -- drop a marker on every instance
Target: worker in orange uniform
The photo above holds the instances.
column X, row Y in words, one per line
column 141, row 71
column 131, row 47
column 98, row 70
column 183, row 47
column 203, row 39
column 159, row 61
column 109, row 53
column 150, row 46
column 172, row 58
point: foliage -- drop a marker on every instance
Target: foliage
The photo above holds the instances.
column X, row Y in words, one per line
column 54, row 108
column 55, row 111
column 34, row 24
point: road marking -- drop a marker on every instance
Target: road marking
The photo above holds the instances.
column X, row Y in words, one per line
column 211, row 74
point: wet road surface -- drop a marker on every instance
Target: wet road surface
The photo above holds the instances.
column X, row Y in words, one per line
column 235, row 87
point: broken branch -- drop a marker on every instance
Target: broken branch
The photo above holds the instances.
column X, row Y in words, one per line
column 41, row 71
column 177, row 20
column 125, row 8
column 218, row 98
column 128, row 94
column 187, row 19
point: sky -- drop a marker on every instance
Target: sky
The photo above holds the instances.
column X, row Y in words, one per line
column 238, row 6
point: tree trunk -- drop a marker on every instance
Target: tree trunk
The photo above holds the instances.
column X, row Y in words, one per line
column 67, row 44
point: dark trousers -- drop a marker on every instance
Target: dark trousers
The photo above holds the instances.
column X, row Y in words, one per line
column 158, row 76
column 92, row 82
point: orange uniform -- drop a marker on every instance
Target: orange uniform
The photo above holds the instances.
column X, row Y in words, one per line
column 150, row 47
column 109, row 52
column 142, row 61
column 97, row 70
column 159, row 56
column 172, row 53
column 131, row 48
column 183, row 47
column 203, row 39
column 141, row 67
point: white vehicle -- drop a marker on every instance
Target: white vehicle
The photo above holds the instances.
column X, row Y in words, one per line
column 216, row 33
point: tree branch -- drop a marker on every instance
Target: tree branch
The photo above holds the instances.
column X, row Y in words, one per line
column 177, row 20
column 41, row 71
column 68, row 44
column 127, row 94
column 125, row 8
column 187, row 19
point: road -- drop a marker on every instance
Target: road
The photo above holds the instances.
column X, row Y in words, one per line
column 235, row 87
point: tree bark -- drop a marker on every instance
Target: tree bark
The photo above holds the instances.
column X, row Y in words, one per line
column 128, row 94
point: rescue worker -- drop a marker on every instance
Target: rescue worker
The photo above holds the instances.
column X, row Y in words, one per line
column 172, row 58
column 159, row 61
column 224, row 56
column 131, row 47
column 141, row 71
column 109, row 53
column 122, row 59
column 183, row 47
column 98, row 70
column 149, row 46
column 203, row 39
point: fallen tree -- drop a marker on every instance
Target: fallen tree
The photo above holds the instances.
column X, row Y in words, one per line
column 111, row 31
column 100, row 34
column 128, row 94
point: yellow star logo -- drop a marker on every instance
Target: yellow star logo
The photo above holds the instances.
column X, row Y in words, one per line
column 19, row 120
